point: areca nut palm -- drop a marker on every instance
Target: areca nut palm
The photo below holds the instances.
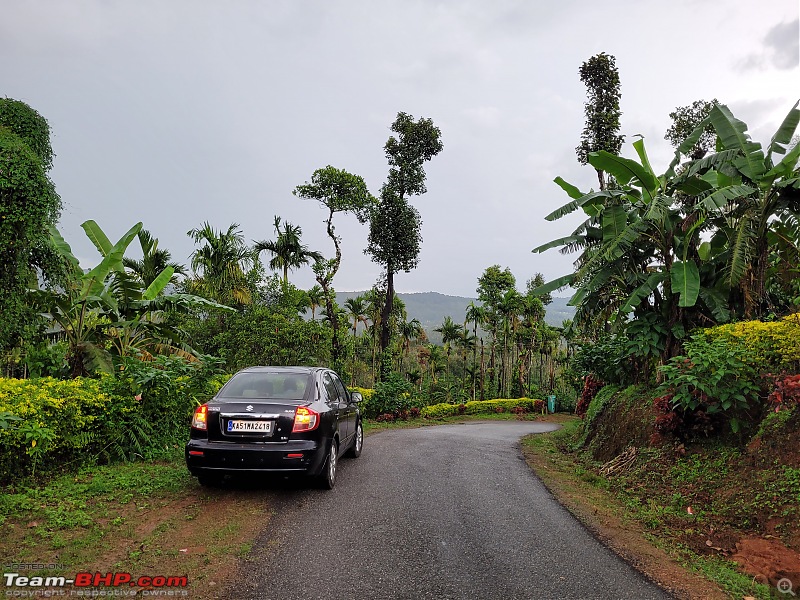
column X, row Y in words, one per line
column 287, row 251
column 220, row 264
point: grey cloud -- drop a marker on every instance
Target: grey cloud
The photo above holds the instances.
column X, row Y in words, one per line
column 781, row 49
column 784, row 42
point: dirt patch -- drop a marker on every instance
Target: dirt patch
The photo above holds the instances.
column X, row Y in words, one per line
column 768, row 561
column 609, row 435
column 199, row 535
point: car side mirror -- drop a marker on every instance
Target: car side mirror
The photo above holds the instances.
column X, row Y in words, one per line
column 356, row 397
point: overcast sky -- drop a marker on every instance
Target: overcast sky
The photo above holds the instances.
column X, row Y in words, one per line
column 178, row 112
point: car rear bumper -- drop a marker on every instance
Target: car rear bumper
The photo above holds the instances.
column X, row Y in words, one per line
column 299, row 456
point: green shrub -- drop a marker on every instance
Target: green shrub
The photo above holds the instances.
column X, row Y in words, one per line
column 392, row 396
column 715, row 376
column 608, row 358
column 366, row 394
column 51, row 424
column 59, row 422
column 480, row 407
column 771, row 346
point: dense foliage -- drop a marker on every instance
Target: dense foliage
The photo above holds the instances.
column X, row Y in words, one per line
column 663, row 255
column 51, row 424
column 29, row 205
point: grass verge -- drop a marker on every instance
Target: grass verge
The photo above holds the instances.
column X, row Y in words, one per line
column 148, row 519
column 642, row 532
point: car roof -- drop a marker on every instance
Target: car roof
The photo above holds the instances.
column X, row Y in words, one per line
column 269, row 369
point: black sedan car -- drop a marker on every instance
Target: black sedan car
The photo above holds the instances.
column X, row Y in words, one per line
column 276, row 420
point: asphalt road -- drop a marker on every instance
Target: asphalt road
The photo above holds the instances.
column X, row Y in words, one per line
column 437, row 512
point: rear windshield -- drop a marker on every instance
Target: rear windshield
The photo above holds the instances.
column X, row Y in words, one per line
column 289, row 386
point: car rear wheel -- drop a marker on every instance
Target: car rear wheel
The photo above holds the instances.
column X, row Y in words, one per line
column 358, row 443
column 327, row 479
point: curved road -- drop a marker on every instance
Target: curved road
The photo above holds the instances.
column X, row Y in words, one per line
column 438, row 512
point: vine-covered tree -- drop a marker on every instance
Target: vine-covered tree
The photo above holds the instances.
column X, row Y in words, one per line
column 29, row 205
column 394, row 232
column 338, row 191
column 601, row 77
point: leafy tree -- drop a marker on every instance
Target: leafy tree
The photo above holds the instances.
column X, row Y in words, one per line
column 338, row 191
column 287, row 251
column 685, row 120
column 29, row 205
column 535, row 282
column 220, row 265
column 154, row 261
column 268, row 335
column 493, row 285
column 394, row 232
column 23, row 121
column 601, row 77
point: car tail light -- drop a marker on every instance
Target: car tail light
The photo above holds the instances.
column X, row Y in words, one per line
column 199, row 420
column 305, row 419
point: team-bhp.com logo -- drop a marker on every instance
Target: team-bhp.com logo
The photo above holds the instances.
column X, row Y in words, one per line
column 97, row 579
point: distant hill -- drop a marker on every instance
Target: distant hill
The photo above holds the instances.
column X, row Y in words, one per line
column 430, row 309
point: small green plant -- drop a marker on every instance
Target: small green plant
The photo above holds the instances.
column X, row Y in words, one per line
column 37, row 440
column 7, row 418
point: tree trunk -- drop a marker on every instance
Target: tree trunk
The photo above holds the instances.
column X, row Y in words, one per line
column 483, row 372
column 385, row 313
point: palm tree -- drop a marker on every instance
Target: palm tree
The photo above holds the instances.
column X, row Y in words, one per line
column 287, row 251
column 154, row 261
column 316, row 299
column 374, row 300
column 450, row 333
column 434, row 360
column 356, row 309
column 509, row 308
column 409, row 331
column 220, row 265
column 476, row 315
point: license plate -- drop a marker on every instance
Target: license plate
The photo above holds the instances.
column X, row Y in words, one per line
column 249, row 426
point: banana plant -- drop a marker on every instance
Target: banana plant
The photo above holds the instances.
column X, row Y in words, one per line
column 746, row 191
column 689, row 245
column 106, row 313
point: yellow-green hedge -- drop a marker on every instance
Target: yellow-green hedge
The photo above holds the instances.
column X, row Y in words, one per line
column 366, row 394
column 52, row 422
column 477, row 407
column 774, row 345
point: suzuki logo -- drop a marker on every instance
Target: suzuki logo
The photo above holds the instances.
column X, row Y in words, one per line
column 249, row 408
